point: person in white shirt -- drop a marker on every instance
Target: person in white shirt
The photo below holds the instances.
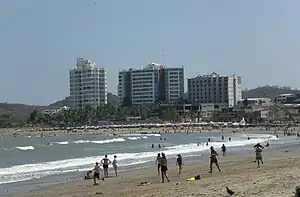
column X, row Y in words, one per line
column 97, row 170
column 158, row 161
column 115, row 164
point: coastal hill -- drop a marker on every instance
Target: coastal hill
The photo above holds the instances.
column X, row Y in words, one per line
column 23, row 110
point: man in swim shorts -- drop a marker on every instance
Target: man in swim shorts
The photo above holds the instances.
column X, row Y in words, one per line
column 213, row 159
column 105, row 162
column 179, row 163
column 258, row 154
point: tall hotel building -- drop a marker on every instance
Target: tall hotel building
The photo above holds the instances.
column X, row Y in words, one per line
column 87, row 84
column 220, row 91
column 151, row 84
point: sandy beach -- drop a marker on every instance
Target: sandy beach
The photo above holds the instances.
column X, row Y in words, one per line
column 37, row 132
column 277, row 177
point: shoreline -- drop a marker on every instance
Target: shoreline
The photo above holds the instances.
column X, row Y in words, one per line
column 119, row 132
column 278, row 176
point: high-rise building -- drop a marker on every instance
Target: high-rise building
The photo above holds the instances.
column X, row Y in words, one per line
column 87, row 84
column 221, row 91
column 151, row 84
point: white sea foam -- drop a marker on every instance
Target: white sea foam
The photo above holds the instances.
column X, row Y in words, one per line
column 38, row 170
column 140, row 134
column 62, row 143
column 99, row 141
column 25, row 147
column 134, row 138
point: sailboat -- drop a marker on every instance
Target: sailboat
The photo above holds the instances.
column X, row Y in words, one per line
column 243, row 122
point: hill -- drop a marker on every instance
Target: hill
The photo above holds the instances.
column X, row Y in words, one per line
column 23, row 110
column 268, row 91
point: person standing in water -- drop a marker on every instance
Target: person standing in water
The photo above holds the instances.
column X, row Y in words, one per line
column 115, row 164
column 164, row 168
column 223, row 150
column 179, row 163
column 105, row 162
column 158, row 160
column 213, row 159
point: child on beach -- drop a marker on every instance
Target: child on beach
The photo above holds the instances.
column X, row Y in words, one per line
column 179, row 163
column 97, row 170
column 213, row 159
column 164, row 168
column 158, row 159
column 115, row 164
column 223, row 150
column 105, row 162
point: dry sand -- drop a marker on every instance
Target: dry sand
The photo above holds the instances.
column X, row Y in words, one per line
column 277, row 177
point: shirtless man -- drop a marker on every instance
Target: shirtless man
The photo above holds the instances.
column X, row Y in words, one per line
column 213, row 159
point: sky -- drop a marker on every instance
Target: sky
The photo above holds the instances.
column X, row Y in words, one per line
column 41, row 39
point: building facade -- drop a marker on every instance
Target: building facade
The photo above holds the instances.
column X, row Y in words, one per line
column 222, row 91
column 88, row 85
column 151, row 84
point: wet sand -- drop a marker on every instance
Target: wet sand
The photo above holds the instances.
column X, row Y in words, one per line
column 277, row 177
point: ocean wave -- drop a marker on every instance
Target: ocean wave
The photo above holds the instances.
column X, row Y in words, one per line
column 38, row 170
column 99, row 141
column 25, row 147
column 62, row 143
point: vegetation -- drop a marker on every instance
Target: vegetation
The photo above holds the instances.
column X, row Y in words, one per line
column 109, row 112
column 16, row 115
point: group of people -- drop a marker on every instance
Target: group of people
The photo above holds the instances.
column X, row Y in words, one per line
column 95, row 173
column 162, row 165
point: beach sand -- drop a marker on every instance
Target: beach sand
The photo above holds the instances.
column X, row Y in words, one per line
column 37, row 132
column 277, row 177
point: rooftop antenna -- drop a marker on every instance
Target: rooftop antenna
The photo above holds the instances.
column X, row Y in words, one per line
column 163, row 56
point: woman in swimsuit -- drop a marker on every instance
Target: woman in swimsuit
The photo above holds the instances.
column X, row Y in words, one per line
column 105, row 162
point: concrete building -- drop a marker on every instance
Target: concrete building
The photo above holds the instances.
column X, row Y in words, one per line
column 87, row 84
column 286, row 98
column 261, row 105
column 222, row 92
column 151, row 84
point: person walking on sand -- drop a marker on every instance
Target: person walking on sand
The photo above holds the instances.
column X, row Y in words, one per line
column 97, row 170
column 258, row 154
column 158, row 162
column 223, row 150
column 213, row 159
column 115, row 164
column 105, row 162
column 179, row 163
column 164, row 168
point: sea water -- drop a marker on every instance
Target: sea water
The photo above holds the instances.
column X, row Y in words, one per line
column 33, row 160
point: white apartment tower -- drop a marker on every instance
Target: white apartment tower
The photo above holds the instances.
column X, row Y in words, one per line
column 88, row 84
column 221, row 91
column 151, row 84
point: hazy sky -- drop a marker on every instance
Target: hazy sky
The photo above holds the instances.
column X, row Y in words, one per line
column 41, row 39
